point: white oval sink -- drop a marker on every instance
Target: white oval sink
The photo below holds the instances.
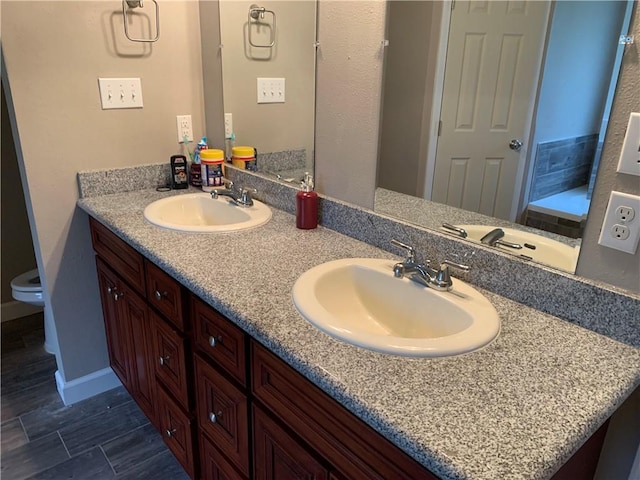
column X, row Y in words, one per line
column 198, row 212
column 359, row 301
column 547, row 251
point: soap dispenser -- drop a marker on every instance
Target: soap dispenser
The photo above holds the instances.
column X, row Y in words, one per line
column 307, row 205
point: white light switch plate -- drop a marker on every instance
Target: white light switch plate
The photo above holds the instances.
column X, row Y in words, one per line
column 271, row 90
column 630, row 155
column 621, row 226
column 120, row 93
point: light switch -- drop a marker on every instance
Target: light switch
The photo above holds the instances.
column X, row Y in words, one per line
column 270, row 90
column 630, row 155
column 120, row 93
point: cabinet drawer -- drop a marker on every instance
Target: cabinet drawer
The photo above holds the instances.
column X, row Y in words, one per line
column 220, row 340
column 345, row 441
column 277, row 455
column 177, row 431
column 213, row 465
column 119, row 256
column 170, row 360
column 166, row 295
column 223, row 414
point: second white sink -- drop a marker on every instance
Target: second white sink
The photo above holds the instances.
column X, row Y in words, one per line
column 359, row 301
column 198, row 212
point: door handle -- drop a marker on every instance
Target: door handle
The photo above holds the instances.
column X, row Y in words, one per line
column 515, row 144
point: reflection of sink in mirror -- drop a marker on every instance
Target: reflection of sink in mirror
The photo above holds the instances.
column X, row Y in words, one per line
column 198, row 212
column 359, row 301
column 535, row 247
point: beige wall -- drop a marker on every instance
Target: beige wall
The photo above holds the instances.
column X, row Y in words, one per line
column 54, row 53
column 349, row 83
column 597, row 262
column 279, row 126
column 17, row 249
column 406, row 79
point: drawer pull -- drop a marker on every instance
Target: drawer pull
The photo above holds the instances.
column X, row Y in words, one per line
column 164, row 359
column 160, row 296
column 171, row 433
column 117, row 296
column 213, row 340
column 110, row 290
column 213, row 417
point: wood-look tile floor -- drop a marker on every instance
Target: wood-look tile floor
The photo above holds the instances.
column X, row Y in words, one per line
column 104, row 437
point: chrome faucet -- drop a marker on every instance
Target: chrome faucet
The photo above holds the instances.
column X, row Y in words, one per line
column 425, row 275
column 240, row 196
column 494, row 237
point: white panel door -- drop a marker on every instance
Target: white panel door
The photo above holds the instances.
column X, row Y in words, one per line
column 491, row 77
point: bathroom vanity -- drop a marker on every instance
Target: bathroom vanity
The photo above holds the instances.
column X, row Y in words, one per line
column 241, row 386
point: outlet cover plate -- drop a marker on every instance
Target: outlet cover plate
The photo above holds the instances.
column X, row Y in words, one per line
column 608, row 237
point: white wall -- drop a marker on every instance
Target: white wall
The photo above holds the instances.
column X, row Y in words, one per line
column 278, row 126
column 597, row 262
column 54, row 52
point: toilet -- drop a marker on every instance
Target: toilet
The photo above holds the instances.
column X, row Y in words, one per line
column 27, row 288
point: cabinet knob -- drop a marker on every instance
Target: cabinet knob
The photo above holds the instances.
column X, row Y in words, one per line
column 159, row 295
column 164, row 359
column 171, row 433
column 110, row 290
column 214, row 340
column 213, row 417
column 117, row 296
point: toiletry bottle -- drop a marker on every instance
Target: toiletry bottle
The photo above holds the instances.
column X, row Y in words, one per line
column 179, row 172
column 307, row 205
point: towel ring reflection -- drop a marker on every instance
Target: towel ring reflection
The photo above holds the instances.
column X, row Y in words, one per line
column 255, row 13
column 135, row 4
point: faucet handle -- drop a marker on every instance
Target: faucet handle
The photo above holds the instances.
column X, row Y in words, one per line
column 411, row 251
column 246, row 196
column 459, row 266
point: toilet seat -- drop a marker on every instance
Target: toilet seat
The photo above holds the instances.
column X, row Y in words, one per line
column 27, row 288
column 27, row 282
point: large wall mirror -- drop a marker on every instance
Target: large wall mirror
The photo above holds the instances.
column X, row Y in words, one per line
column 268, row 64
column 494, row 117
column 493, row 113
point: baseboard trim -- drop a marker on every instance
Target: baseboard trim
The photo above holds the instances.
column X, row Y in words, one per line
column 86, row 387
column 14, row 309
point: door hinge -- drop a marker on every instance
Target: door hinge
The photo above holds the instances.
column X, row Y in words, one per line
column 439, row 127
column 453, row 4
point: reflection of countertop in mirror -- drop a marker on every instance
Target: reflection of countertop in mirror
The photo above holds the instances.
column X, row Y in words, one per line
column 432, row 215
column 519, row 407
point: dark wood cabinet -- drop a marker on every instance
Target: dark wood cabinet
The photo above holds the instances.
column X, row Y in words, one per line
column 278, row 456
column 214, row 465
column 126, row 318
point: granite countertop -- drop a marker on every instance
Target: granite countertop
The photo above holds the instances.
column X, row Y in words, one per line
column 519, row 408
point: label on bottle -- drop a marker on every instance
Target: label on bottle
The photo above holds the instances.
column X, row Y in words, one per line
column 212, row 174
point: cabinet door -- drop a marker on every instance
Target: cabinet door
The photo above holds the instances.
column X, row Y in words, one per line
column 213, row 465
column 223, row 414
column 177, row 431
column 169, row 350
column 278, row 456
column 115, row 328
column 134, row 309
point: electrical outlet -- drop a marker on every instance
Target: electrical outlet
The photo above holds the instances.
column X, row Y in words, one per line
column 625, row 214
column 120, row 93
column 228, row 125
column 630, row 155
column 621, row 232
column 185, row 128
column 621, row 227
